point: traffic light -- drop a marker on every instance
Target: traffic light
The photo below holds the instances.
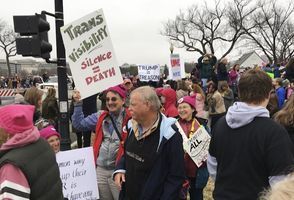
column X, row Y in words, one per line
column 33, row 31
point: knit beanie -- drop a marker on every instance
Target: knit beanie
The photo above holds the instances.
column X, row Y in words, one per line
column 48, row 132
column 16, row 118
column 118, row 89
column 191, row 100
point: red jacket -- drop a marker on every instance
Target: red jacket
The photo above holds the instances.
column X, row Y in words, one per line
column 170, row 102
column 99, row 135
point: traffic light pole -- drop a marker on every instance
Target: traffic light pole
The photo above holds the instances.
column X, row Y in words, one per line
column 62, row 79
column 33, row 41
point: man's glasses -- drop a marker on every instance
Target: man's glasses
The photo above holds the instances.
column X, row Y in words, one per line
column 112, row 99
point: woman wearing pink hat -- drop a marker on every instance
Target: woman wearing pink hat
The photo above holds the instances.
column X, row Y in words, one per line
column 197, row 177
column 28, row 168
column 52, row 136
column 110, row 135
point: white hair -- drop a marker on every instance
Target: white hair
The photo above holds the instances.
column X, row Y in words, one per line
column 148, row 94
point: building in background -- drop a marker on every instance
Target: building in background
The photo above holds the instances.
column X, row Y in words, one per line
column 31, row 66
column 250, row 59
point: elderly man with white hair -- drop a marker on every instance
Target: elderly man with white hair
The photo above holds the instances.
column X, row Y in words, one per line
column 153, row 164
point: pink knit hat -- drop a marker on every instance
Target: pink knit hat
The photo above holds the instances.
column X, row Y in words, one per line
column 118, row 89
column 16, row 118
column 48, row 132
column 191, row 100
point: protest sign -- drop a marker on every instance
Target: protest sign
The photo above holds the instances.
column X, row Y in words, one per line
column 175, row 66
column 90, row 54
column 149, row 72
column 78, row 174
column 196, row 146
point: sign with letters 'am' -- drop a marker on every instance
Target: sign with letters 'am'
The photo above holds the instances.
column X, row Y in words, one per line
column 90, row 54
column 78, row 174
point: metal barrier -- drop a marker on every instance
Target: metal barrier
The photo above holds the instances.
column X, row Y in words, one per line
column 7, row 95
column 7, row 92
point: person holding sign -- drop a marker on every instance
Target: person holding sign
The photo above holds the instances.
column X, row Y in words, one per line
column 248, row 151
column 28, row 168
column 152, row 166
column 188, row 126
column 109, row 139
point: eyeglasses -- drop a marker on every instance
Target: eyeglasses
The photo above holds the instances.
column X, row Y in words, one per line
column 112, row 99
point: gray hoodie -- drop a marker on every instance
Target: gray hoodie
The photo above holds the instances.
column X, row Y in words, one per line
column 241, row 114
column 238, row 115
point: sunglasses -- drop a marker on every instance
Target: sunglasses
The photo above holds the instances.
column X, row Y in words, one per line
column 112, row 99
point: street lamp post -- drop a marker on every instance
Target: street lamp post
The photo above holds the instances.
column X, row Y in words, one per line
column 171, row 48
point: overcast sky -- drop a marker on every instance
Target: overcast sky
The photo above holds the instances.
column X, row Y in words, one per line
column 134, row 25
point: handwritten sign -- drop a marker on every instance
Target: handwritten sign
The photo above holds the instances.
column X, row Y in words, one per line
column 90, row 54
column 196, row 146
column 149, row 72
column 175, row 66
column 78, row 174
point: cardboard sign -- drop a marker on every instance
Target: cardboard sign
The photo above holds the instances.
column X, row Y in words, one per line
column 90, row 54
column 196, row 146
column 78, row 174
column 175, row 66
column 149, row 72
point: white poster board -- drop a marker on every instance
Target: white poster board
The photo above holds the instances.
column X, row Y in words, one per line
column 78, row 174
column 175, row 66
column 149, row 72
column 196, row 146
column 90, row 54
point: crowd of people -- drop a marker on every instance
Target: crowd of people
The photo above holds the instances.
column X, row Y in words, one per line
column 138, row 147
column 18, row 82
column 26, row 81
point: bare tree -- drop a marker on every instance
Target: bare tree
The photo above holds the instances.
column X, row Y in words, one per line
column 286, row 38
column 271, row 30
column 190, row 30
column 7, row 43
column 204, row 29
